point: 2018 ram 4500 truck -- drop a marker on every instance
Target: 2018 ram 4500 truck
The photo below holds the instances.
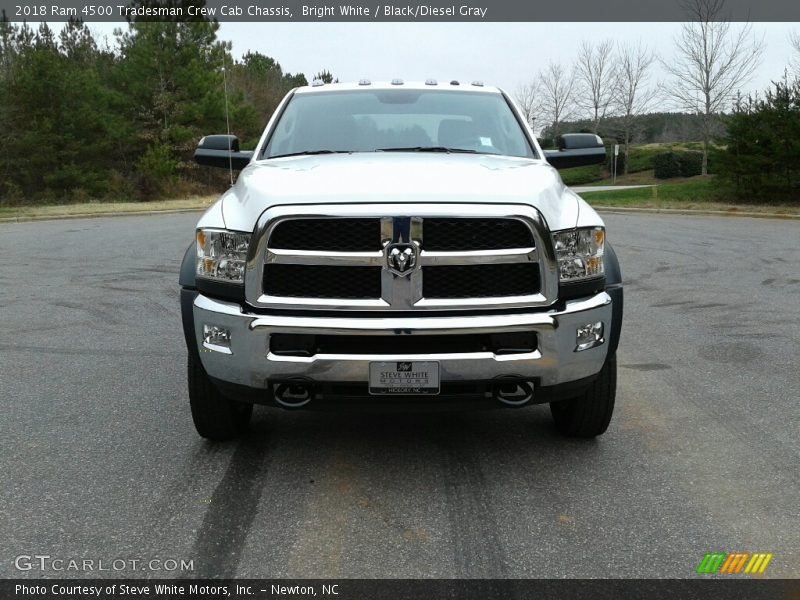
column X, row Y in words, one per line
column 400, row 243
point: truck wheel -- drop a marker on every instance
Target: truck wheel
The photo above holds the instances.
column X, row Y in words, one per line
column 215, row 417
column 589, row 414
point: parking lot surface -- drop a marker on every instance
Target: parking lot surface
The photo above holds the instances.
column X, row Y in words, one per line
column 100, row 459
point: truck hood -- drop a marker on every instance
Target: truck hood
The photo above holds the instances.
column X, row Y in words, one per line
column 401, row 178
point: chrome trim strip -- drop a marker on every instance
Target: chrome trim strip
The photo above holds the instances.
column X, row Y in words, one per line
column 473, row 302
column 405, row 325
column 478, row 257
column 321, row 257
column 535, row 355
column 217, row 348
column 325, row 303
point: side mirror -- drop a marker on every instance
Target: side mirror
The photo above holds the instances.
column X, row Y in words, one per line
column 577, row 150
column 221, row 151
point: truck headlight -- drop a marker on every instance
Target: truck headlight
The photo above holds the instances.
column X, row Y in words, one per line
column 580, row 253
column 222, row 255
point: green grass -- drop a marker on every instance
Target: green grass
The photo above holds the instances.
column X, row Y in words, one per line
column 641, row 157
column 697, row 193
column 694, row 191
column 648, row 178
column 582, row 175
column 103, row 208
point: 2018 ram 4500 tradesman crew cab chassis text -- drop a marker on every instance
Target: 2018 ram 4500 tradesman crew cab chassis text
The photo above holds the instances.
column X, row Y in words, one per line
column 400, row 243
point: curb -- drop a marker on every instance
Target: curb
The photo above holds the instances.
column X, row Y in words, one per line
column 695, row 212
column 167, row 211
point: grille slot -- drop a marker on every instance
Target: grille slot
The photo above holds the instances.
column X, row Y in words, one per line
column 481, row 281
column 456, row 234
column 315, row 281
column 335, row 235
column 290, row 344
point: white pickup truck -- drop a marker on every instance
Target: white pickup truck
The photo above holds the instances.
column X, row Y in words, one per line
column 404, row 244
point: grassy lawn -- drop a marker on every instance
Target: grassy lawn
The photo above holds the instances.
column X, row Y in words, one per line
column 696, row 193
column 102, row 208
column 582, row 175
column 646, row 178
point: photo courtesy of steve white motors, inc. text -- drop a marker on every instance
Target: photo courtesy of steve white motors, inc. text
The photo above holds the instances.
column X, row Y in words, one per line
column 136, row 590
column 193, row 590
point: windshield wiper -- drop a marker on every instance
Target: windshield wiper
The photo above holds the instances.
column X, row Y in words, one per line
column 427, row 149
column 310, row 153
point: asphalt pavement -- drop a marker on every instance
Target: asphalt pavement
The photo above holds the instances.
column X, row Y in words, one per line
column 100, row 460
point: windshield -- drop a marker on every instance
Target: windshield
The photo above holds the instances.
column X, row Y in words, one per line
column 396, row 121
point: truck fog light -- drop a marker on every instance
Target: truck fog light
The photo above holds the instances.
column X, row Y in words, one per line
column 588, row 336
column 217, row 338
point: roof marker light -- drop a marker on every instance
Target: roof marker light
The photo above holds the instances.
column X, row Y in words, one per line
column 364, row 82
column 317, row 83
column 397, row 82
column 454, row 82
column 431, row 82
column 477, row 83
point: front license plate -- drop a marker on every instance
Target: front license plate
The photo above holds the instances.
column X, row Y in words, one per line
column 404, row 377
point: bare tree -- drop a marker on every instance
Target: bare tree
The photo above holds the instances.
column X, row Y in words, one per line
column 710, row 64
column 527, row 97
column 556, row 86
column 794, row 40
column 632, row 93
column 595, row 72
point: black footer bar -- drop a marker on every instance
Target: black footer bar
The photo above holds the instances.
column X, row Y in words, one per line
column 389, row 589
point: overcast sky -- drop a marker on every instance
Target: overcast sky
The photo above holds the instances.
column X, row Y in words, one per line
column 503, row 54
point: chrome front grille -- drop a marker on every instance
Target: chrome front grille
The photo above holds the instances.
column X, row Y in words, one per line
column 422, row 257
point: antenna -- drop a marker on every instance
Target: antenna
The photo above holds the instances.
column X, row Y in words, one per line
column 227, row 119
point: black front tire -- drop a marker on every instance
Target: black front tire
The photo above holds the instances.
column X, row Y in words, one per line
column 589, row 414
column 215, row 417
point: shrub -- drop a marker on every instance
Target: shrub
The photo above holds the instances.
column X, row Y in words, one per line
column 155, row 171
column 666, row 165
column 691, row 163
column 119, row 188
column 682, row 163
column 11, row 194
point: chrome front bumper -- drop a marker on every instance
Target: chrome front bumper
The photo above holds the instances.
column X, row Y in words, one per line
column 250, row 363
